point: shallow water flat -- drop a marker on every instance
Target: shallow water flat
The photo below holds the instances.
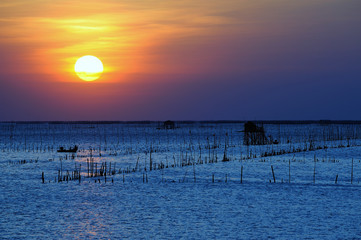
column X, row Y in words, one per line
column 189, row 192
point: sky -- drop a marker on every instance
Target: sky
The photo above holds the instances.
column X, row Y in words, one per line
column 181, row 60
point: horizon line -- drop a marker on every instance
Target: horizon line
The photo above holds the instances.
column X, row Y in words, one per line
column 321, row 121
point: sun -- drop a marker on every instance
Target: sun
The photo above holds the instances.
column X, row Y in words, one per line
column 88, row 68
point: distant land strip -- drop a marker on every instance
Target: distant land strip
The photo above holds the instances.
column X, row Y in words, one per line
column 323, row 122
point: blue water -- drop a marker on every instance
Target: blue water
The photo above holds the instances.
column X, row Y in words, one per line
column 180, row 202
column 182, row 210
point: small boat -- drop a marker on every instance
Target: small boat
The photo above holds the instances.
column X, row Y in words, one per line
column 72, row 150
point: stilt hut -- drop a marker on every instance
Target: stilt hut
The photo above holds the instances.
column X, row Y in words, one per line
column 169, row 125
column 254, row 135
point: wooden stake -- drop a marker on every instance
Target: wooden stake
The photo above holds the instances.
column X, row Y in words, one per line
column 273, row 174
column 289, row 171
column 88, row 165
column 314, row 170
column 352, row 171
column 241, row 174
column 79, row 173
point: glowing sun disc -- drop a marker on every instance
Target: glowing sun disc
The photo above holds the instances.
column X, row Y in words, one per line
column 88, row 68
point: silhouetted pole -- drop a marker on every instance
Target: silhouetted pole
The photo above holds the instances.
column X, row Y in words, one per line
column 273, row 174
column 314, row 170
column 289, row 170
column 241, row 174
column 352, row 171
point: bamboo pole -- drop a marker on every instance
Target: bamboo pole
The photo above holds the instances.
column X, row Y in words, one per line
column 241, row 174
column 273, row 174
column 314, row 170
column 352, row 171
column 289, row 171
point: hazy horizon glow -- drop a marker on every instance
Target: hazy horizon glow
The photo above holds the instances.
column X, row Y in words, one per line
column 188, row 60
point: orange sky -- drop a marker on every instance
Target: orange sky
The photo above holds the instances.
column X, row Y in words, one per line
column 162, row 51
column 47, row 37
column 168, row 37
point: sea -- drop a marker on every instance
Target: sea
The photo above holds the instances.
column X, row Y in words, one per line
column 184, row 180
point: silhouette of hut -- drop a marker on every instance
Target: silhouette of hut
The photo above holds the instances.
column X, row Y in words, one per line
column 254, row 135
column 169, row 125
